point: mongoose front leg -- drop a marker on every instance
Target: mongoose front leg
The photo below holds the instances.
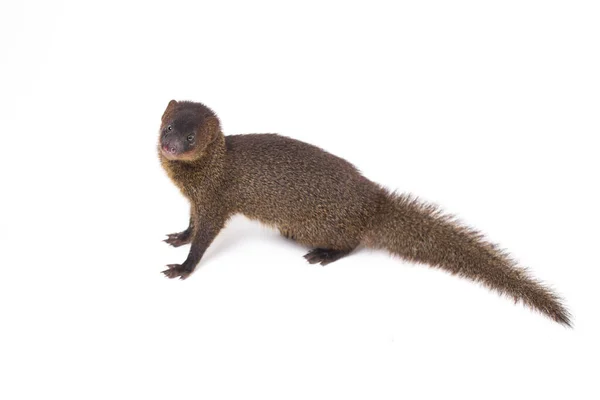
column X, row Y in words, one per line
column 201, row 239
column 325, row 256
column 181, row 238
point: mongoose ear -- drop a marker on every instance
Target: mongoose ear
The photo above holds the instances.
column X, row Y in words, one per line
column 169, row 109
column 213, row 126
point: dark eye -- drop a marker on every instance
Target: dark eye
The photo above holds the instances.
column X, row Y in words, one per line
column 169, row 128
column 190, row 138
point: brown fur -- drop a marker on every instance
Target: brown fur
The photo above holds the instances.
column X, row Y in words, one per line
column 321, row 201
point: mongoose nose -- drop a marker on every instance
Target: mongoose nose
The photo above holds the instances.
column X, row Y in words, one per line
column 168, row 149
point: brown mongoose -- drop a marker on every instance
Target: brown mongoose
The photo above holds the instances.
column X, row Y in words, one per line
column 320, row 201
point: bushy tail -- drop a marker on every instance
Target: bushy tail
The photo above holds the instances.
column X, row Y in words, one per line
column 420, row 232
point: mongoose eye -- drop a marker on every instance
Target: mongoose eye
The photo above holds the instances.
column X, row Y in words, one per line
column 169, row 128
column 190, row 138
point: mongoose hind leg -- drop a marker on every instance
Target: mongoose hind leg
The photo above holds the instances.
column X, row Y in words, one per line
column 325, row 256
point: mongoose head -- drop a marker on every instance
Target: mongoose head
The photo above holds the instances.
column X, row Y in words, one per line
column 186, row 130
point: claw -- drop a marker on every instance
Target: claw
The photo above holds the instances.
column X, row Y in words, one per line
column 176, row 271
column 177, row 239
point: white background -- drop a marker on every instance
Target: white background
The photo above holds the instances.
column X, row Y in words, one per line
column 487, row 108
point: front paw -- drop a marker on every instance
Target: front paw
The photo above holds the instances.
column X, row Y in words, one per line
column 178, row 239
column 176, row 270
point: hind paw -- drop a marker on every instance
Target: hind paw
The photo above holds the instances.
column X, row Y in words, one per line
column 325, row 256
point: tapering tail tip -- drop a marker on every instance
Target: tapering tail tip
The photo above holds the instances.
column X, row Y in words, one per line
column 420, row 232
column 564, row 318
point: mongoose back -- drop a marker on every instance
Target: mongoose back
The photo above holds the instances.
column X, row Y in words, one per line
column 320, row 201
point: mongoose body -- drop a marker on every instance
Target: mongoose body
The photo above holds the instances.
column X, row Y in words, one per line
column 321, row 201
column 280, row 181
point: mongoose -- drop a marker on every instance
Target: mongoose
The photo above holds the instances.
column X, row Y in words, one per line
column 321, row 201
